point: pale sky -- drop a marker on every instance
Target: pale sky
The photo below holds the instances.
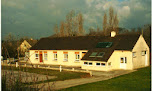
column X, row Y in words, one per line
column 36, row 18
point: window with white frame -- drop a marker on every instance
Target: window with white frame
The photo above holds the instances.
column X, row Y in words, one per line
column 97, row 64
column 55, row 56
column 100, row 64
column 65, row 57
column 143, row 53
column 134, row 54
column 90, row 63
column 87, row 63
column 77, row 56
column 123, row 60
column 45, row 56
column 103, row 64
column 36, row 55
column 109, row 64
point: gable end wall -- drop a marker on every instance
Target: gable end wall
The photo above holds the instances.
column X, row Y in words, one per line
column 139, row 60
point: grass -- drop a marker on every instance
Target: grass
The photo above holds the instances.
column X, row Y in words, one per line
column 64, row 75
column 137, row 81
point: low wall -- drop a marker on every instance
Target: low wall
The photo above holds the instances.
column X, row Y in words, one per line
column 52, row 67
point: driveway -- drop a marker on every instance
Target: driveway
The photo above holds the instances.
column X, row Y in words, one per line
column 97, row 76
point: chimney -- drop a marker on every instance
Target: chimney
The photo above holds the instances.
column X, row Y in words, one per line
column 113, row 33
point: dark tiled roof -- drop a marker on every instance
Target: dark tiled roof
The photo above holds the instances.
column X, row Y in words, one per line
column 120, row 42
column 67, row 43
column 31, row 42
column 126, row 42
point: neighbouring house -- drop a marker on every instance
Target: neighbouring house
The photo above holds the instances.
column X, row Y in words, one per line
column 103, row 53
column 25, row 46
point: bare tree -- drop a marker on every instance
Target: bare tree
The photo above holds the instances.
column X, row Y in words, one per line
column 133, row 30
column 62, row 29
column 56, row 29
column 111, row 16
column 139, row 30
column 105, row 23
column 92, row 32
column 10, row 46
column 98, row 29
column 72, row 26
column 69, row 23
column 75, row 26
column 113, row 22
column 10, row 37
column 80, row 24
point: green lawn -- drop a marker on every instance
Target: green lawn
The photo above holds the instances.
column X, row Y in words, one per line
column 136, row 81
column 64, row 75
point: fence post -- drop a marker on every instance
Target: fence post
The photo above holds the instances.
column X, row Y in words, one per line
column 16, row 64
column 72, row 69
column 2, row 62
column 90, row 73
column 87, row 70
column 60, row 68
column 7, row 60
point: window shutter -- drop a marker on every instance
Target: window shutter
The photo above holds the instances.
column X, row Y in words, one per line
column 76, row 52
column 45, row 51
column 65, row 52
column 54, row 51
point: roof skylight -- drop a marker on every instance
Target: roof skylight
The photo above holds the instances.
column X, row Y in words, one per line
column 93, row 54
column 100, row 54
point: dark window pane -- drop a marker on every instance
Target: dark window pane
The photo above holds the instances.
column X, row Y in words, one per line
column 100, row 54
column 145, row 52
column 93, row 54
column 109, row 63
column 90, row 63
column 103, row 64
column 86, row 63
column 122, row 60
column 97, row 63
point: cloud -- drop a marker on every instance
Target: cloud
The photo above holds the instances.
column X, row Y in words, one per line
column 85, row 16
column 89, row 2
column 14, row 4
column 57, row 12
column 98, row 6
column 19, row 15
column 124, row 11
column 98, row 14
column 106, row 5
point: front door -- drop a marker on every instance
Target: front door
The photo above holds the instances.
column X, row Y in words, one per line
column 123, row 62
column 41, row 56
